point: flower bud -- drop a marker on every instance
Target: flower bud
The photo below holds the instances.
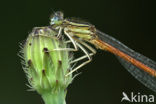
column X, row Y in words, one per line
column 46, row 67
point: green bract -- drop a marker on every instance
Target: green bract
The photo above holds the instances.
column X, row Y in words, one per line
column 45, row 67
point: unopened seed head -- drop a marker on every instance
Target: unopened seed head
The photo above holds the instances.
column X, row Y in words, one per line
column 45, row 67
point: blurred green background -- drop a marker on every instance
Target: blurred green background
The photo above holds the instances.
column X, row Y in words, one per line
column 103, row 80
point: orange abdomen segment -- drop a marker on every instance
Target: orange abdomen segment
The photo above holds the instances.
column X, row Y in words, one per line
column 105, row 46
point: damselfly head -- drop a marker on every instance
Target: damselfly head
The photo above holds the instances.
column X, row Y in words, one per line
column 56, row 18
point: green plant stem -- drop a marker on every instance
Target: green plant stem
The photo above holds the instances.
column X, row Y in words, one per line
column 57, row 97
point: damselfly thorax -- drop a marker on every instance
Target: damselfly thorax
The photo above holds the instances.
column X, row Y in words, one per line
column 78, row 33
column 77, row 29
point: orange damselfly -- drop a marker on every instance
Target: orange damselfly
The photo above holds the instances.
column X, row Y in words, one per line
column 81, row 33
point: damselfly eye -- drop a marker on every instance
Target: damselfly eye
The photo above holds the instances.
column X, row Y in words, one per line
column 56, row 18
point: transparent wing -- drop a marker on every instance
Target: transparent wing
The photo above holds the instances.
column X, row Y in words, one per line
column 144, row 77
